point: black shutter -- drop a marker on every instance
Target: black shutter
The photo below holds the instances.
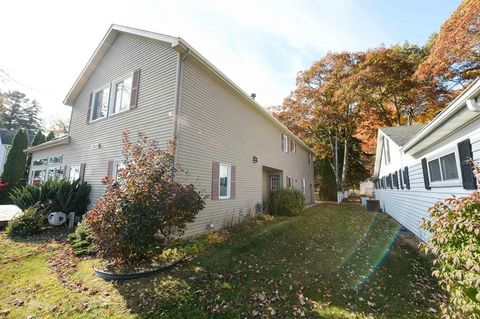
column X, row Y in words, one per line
column 406, row 177
column 465, row 153
column 390, row 179
column 400, row 176
column 426, row 180
column 395, row 180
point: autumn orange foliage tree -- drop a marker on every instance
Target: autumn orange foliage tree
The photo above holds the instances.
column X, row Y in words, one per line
column 455, row 51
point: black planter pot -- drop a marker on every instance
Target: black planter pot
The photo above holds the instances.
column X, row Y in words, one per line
column 128, row 276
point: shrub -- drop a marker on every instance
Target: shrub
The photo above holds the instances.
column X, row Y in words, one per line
column 16, row 159
column 144, row 208
column 81, row 241
column 455, row 243
column 61, row 195
column 29, row 222
column 287, row 202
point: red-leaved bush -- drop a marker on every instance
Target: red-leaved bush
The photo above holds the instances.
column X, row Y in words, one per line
column 144, row 208
column 455, row 243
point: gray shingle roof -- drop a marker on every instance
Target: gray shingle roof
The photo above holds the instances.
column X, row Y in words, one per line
column 402, row 134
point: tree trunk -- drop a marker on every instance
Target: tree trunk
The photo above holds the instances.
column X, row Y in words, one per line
column 337, row 175
column 345, row 164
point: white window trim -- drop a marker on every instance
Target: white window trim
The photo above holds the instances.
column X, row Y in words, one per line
column 92, row 107
column 113, row 95
column 304, row 185
column 279, row 182
column 46, row 167
column 116, row 166
column 294, row 148
column 285, row 143
column 451, row 182
column 229, row 183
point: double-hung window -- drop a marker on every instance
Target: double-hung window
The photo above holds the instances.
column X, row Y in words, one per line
column 284, row 143
column 100, row 103
column 46, row 168
column 443, row 168
column 117, row 166
column 304, row 185
column 293, row 146
column 275, row 183
column 224, row 180
column 123, row 94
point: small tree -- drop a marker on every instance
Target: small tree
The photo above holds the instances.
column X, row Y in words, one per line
column 38, row 139
column 50, row 136
column 16, row 159
column 143, row 208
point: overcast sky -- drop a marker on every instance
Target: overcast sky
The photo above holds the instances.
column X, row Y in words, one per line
column 260, row 45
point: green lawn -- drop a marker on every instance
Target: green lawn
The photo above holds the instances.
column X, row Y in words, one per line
column 331, row 262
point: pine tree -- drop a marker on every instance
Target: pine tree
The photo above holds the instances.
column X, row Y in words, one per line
column 38, row 139
column 13, row 110
column 50, row 136
column 31, row 116
column 16, row 159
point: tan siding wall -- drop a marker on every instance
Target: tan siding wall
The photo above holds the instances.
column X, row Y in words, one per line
column 154, row 115
column 409, row 207
column 216, row 124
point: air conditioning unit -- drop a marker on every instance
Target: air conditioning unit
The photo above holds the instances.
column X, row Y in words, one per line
column 57, row 218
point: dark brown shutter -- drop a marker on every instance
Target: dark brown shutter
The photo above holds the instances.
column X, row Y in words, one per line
column 82, row 172
column 110, row 168
column 233, row 185
column 134, row 92
column 406, row 177
column 426, row 180
column 465, row 153
column 66, row 172
column 89, row 110
column 401, row 179
column 215, row 172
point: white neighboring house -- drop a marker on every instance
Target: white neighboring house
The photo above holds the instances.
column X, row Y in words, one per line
column 418, row 165
column 6, row 137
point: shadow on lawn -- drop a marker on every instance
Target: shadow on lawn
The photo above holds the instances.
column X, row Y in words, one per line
column 275, row 271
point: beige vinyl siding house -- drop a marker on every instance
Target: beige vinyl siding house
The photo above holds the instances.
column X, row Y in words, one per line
column 416, row 166
column 227, row 144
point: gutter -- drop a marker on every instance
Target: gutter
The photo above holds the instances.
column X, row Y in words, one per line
column 64, row 140
column 468, row 97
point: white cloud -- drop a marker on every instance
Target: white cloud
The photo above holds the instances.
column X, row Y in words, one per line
column 260, row 44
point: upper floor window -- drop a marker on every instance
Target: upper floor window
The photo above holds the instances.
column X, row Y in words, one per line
column 443, row 168
column 117, row 166
column 100, row 103
column 293, row 146
column 284, row 143
column 310, row 159
column 224, row 180
column 123, row 94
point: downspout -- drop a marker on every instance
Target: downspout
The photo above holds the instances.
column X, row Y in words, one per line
column 176, row 127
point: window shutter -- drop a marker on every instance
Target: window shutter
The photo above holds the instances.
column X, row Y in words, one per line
column 215, row 172
column 465, row 153
column 233, row 185
column 82, row 172
column 134, row 92
column 89, row 110
column 406, row 177
column 110, row 168
column 426, row 180
column 66, row 172
column 401, row 179
column 390, row 179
